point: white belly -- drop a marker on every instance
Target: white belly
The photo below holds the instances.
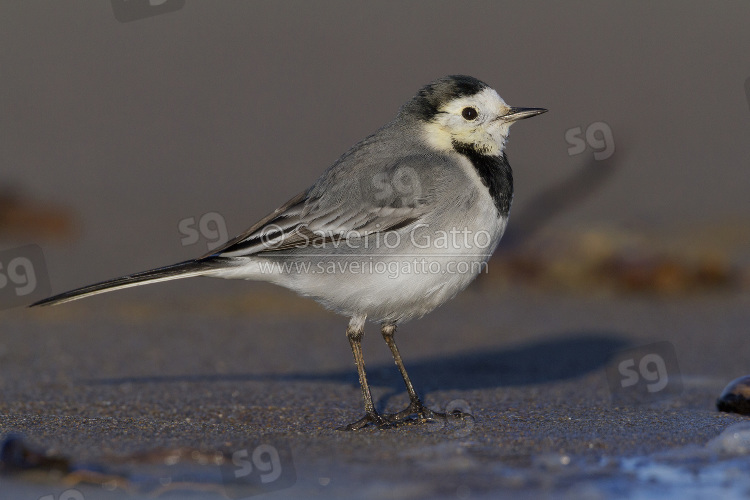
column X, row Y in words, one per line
column 388, row 284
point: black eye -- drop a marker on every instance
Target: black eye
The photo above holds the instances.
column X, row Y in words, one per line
column 469, row 113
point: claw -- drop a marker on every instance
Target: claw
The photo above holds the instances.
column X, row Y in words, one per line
column 418, row 413
column 414, row 414
column 369, row 418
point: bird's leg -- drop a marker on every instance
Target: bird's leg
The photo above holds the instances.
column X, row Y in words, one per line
column 416, row 407
column 354, row 332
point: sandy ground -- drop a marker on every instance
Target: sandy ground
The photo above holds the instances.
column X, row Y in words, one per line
column 115, row 375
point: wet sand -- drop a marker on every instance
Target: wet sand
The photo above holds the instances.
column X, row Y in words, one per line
column 121, row 374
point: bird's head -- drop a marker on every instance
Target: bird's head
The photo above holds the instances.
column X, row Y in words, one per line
column 461, row 110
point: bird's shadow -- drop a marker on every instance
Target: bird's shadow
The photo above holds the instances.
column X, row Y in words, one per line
column 563, row 356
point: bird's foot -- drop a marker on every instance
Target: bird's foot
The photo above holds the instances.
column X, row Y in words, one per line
column 414, row 414
column 417, row 413
column 373, row 418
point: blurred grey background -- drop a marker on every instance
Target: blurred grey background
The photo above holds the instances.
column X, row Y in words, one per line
column 234, row 107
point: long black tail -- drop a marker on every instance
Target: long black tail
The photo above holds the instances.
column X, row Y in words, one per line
column 185, row 269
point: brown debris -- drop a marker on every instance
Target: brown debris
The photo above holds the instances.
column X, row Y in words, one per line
column 613, row 261
column 23, row 218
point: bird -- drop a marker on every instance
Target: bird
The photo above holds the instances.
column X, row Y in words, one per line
column 399, row 224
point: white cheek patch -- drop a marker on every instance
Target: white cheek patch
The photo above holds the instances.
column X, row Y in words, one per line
column 450, row 126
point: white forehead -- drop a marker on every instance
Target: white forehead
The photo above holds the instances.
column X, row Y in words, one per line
column 487, row 100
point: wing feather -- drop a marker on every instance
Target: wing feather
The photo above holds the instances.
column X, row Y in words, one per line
column 341, row 206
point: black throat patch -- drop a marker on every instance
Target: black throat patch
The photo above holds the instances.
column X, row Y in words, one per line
column 495, row 173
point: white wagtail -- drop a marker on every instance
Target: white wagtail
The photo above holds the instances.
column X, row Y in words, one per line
column 401, row 223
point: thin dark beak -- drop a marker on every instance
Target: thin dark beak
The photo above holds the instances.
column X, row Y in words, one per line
column 520, row 113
